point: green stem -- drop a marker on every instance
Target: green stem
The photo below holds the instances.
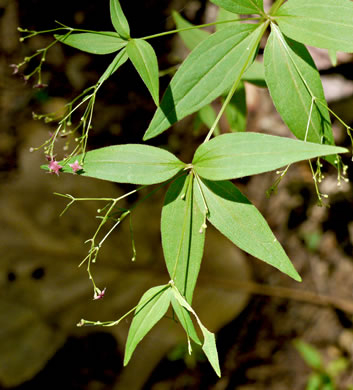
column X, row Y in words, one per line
column 188, row 198
column 275, row 7
column 236, row 83
column 196, row 27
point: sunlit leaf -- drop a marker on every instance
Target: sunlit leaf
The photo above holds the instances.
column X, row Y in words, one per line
column 118, row 61
column 130, row 163
column 234, row 216
column 191, row 38
column 151, row 308
column 96, row 43
column 209, row 342
column 236, row 110
column 241, row 6
column 182, row 240
column 230, row 156
column 206, row 115
column 210, row 69
column 119, row 20
column 223, row 15
column 325, row 23
column 256, row 74
column 142, row 55
column 185, row 320
column 295, row 84
column 333, row 56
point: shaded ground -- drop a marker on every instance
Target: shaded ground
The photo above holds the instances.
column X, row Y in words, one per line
column 256, row 349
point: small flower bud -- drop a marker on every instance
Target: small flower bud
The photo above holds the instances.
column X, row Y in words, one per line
column 40, row 85
column 76, row 167
column 15, row 68
column 98, row 294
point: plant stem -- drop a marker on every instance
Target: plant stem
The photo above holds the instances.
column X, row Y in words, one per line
column 275, row 7
column 196, row 27
column 236, row 83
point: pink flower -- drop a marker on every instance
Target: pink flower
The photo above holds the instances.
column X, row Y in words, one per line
column 76, row 166
column 40, row 86
column 54, row 167
column 15, row 68
column 98, row 294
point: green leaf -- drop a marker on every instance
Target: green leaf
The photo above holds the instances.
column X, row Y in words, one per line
column 333, row 57
column 185, row 320
column 152, row 307
column 191, row 38
column 241, row 6
column 210, row 348
column 207, row 116
column 288, row 63
column 182, row 239
column 230, row 156
column 310, row 354
column 234, row 216
column 210, row 69
column 325, row 23
column 209, row 342
column 223, row 15
column 314, row 382
column 337, row 366
column 95, row 43
column 136, row 164
column 144, row 58
column 256, row 74
column 236, row 110
column 118, row 61
column 119, row 20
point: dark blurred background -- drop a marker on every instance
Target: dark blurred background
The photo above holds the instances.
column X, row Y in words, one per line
column 256, row 311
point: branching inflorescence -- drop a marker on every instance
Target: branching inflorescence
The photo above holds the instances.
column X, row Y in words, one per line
column 201, row 191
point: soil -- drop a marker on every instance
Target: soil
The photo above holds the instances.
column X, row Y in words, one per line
column 256, row 347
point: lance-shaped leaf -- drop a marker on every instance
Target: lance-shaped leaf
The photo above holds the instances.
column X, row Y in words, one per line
column 333, row 57
column 191, row 38
column 207, row 116
column 119, row 20
column 185, row 320
column 230, row 156
column 210, row 69
column 136, row 164
column 151, row 308
column 104, row 42
column 241, row 6
column 209, row 342
column 295, row 84
column 236, row 110
column 240, row 221
column 224, row 15
column 182, row 235
column 325, row 23
column 118, row 61
column 256, row 74
column 144, row 58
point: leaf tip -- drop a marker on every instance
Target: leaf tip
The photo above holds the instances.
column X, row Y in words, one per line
column 127, row 358
column 146, row 136
column 296, row 277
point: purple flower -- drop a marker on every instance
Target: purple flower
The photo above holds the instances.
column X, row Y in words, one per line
column 54, row 167
column 76, row 166
column 98, row 294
